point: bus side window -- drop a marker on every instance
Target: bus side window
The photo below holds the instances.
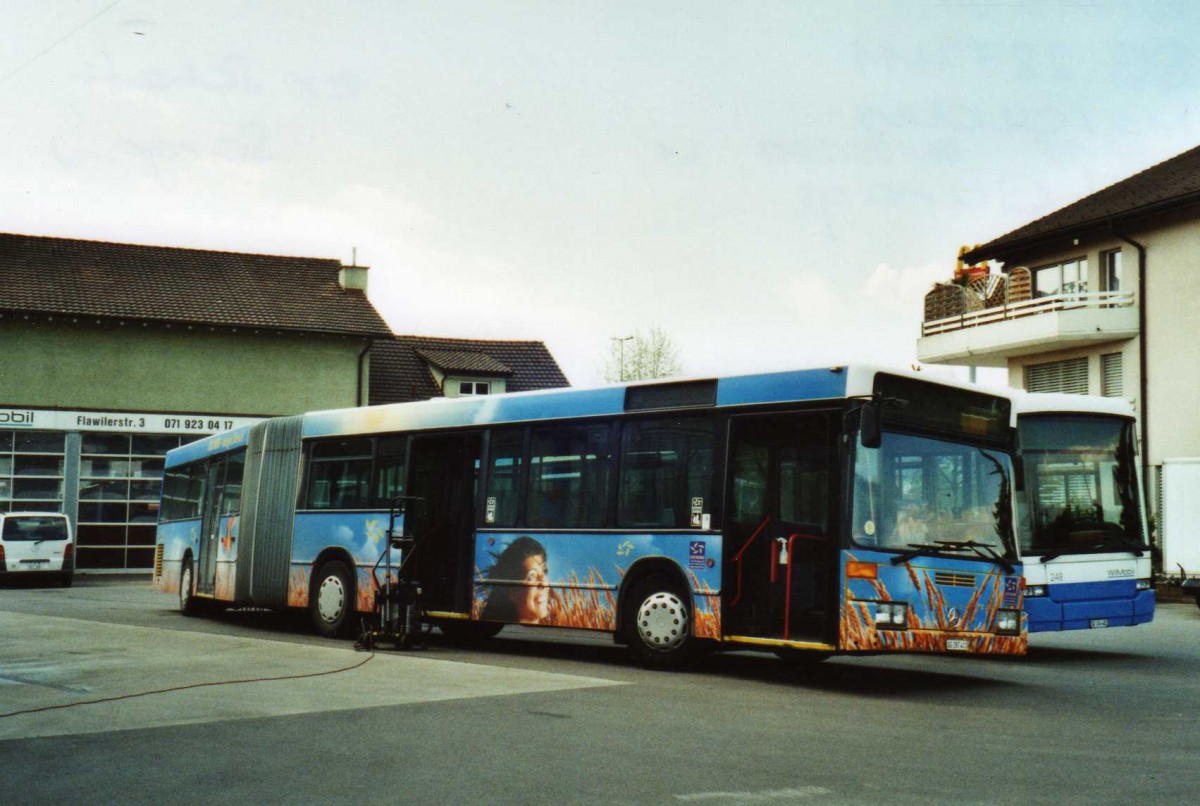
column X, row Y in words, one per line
column 231, row 493
column 389, row 470
column 183, row 489
column 568, row 484
column 504, row 478
column 666, row 466
column 339, row 474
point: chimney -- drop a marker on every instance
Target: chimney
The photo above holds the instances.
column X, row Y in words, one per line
column 353, row 277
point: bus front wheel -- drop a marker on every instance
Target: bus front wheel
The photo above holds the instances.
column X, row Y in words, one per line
column 332, row 600
column 659, row 623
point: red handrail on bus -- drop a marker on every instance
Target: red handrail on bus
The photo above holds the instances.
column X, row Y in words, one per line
column 737, row 558
column 787, row 592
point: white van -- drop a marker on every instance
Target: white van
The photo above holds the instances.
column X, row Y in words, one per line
column 36, row 543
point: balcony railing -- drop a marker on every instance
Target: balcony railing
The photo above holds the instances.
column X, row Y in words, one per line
column 1028, row 307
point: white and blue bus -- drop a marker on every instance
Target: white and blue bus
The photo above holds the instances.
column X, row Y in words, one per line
column 812, row 512
column 1081, row 514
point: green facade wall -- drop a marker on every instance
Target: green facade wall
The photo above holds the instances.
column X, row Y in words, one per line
column 153, row 368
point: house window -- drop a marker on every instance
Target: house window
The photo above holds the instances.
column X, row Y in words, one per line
column 1111, row 277
column 1070, row 376
column 474, row 388
column 1111, row 375
column 1067, row 278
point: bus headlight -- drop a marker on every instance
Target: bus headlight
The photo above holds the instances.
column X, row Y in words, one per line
column 1143, row 584
column 1035, row 590
column 1008, row 622
column 891, row 615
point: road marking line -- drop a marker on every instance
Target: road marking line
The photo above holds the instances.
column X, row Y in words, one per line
column 765, row 796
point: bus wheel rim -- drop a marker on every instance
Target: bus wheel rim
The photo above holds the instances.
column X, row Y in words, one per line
column 331, row 598
column 662, row 622
column 185, row 586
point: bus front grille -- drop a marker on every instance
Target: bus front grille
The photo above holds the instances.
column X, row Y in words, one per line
column 948, row 579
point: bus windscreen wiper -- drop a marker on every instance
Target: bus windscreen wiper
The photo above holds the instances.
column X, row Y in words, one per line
column 1134, row 547
column 984, row 550
column 916, row 550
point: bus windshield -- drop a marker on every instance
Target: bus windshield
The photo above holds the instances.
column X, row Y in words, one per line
column 933, row 496
column 1081, row 485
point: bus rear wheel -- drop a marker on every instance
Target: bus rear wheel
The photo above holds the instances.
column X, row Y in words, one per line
column 658, row 623
column 331, row 601
column 189, row 605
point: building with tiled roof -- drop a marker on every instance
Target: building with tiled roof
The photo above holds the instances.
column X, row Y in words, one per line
column 1161, row 189
column 1097, row 297
column 407, row 368
column 156, row 284
column 111, row 354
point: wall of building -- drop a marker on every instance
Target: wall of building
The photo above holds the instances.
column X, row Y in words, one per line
column 1173, row 338
column 87, row 413
column 1130, row 376
column 62, row 365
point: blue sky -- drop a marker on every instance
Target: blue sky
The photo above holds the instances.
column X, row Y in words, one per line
column 774, row 184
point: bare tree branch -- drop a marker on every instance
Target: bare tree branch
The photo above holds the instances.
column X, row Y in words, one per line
column 643, row 356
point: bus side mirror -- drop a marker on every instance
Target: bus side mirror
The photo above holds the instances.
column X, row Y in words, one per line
column 870, row 425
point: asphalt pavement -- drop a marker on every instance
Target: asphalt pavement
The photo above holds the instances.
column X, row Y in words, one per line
column 107, row 695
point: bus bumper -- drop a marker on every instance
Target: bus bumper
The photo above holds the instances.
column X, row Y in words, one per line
column 1044, row 614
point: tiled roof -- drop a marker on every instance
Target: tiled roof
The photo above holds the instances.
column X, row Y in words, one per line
column 168, row 284
column 464, row 361
column 1160, row 188
column 399, row 373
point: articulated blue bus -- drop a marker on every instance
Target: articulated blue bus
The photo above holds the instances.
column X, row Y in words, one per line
column 811, row 512
column 1081, row 514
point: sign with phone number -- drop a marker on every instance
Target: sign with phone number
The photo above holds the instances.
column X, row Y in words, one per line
column 45, row 420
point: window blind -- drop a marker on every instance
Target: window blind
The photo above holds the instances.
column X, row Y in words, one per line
column 1112, row 375
column 1070, row 376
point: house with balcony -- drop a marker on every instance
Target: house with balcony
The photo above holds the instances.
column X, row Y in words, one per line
column 1099, row 297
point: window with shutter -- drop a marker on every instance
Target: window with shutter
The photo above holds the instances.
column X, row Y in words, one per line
column 1070, row 376
column 1112, row 375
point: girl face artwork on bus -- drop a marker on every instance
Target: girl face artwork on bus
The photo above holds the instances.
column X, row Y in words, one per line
column 519, row 585
column 557, row 579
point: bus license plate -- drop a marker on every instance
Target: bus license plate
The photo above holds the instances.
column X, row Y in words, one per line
column 1097, row 623
column 957, row 645
column 35, row 563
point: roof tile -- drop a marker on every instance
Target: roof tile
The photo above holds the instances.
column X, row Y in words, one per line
column 399, row 373
column 170, row 284
column 464, row 361
column 1173, row 181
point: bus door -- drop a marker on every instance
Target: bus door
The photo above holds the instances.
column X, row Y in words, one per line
column 210, row 528
column 779, row 546
column 443, row 476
